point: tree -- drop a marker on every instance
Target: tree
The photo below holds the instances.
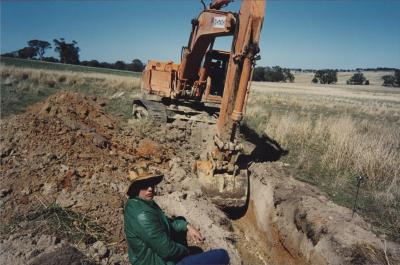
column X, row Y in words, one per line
column 105, row 65
column 258, row 74
column 84, row 63
column 40, row 47
column 10, row 54
column 357, row 79
column 26, row 53
column 136, row 66
column 392, row 80
column 50, row 59
column 274, row 74
column 120, row 65
column 397, row 77
column 288, row 75
column 69, row 53
column 388, row 80
column 326, row 76
column 93, row 63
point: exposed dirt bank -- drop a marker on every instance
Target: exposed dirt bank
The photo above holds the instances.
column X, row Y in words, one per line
column 290, row 222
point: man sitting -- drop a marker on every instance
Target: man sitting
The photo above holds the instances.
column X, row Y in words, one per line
column 149, row 231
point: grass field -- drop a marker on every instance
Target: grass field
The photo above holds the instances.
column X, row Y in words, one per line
column 333, row 133
column 35, row 64
column 28, row 83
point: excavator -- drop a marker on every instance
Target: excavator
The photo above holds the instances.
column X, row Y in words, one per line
column 208, row 77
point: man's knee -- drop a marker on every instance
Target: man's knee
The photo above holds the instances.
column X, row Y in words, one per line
column 222, row 255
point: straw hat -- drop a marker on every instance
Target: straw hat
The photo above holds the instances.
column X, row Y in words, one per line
column 141, row 175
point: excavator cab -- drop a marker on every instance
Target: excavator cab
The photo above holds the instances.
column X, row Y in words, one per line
column 216, row 65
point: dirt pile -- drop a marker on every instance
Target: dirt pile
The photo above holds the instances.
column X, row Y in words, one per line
column 67, row 151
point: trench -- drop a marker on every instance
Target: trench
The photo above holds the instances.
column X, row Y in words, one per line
column 259, row 239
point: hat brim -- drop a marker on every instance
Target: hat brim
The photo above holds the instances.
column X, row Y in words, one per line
column 151, row 181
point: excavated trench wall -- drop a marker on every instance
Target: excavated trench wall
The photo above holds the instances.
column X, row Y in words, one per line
column 290, row 222
column 261, row 239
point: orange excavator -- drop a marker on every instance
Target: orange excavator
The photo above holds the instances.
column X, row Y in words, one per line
column 206, row 76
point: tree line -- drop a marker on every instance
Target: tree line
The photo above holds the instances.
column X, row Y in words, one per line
column 272, row 74
column 324, row 76
column 330, row 77
column 68, row 53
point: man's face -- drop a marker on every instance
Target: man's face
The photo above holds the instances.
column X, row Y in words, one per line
column 147, row 193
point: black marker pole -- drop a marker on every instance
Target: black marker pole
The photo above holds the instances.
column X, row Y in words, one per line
column 359, row 180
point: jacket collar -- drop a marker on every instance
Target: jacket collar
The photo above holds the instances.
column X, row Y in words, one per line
column 151, row 203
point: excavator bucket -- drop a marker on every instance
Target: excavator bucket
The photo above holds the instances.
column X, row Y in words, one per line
column 224, row 189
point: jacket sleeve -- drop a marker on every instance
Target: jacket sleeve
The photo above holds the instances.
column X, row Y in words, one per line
column 151, row 231
column 178, row 224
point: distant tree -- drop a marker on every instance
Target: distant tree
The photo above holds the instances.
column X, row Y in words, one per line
column 10, row 54
column 50, row 59
column 388, row 80
column 40, row 47
column 106, row 65
column 136, row 66
column 392, row 80
column 93, row 63
column 288, row 75
column 84, row 63
column 69, row 52
column 26, row 53
column 272, row 74
column 258, row 74
column 357, row 79
column 314, row 80
column 397, row 77
column 326, row 76
column 120, row 65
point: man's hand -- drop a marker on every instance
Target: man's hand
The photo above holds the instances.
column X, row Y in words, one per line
column 194, row 234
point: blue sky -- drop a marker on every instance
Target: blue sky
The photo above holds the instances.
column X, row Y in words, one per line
column 306, row 34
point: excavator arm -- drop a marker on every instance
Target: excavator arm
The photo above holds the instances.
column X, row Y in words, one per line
column 222, row 178
column 207, row 75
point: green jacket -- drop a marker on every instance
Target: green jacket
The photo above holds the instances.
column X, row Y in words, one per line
column 148, row 232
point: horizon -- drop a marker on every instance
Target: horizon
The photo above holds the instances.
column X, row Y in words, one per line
column 376, row 69
column 296, row 34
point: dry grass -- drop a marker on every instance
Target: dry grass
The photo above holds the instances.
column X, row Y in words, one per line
column 60, row 222
column 366, row 149
column 107, row 83
column 335, row 133
column 21, row 87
